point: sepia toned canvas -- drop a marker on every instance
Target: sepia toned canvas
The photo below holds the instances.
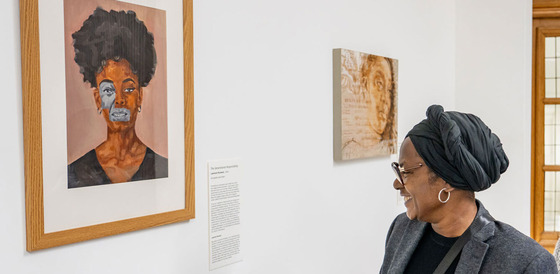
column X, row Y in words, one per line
column 365, row 105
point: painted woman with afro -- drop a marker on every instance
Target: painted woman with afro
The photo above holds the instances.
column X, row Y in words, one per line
column 116, row 56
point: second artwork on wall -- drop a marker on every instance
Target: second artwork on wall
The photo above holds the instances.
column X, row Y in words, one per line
column 365, row 105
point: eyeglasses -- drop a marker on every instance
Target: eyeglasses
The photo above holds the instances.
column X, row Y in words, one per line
column 400, row 170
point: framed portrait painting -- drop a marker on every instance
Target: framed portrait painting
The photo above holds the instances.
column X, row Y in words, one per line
column 108, row 117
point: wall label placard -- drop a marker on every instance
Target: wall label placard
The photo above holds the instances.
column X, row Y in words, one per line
column 224, row 213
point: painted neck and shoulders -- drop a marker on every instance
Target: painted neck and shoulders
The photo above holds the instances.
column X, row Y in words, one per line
column 88, row 171
column 496, row 247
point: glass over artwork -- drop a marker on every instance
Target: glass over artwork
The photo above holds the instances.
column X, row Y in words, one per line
column 97, row 82
column 116, row 93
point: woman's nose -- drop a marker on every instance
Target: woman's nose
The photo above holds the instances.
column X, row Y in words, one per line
column 397, row 185
column 119, row 99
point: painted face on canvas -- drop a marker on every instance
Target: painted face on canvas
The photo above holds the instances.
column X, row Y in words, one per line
column 118, row 94
column 379, row 82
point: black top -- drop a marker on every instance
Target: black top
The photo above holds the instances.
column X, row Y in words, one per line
column 495, row 248
column 429, row 253
column 87, row 171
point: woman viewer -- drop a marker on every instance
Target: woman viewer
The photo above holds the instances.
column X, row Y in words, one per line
column 443, row 160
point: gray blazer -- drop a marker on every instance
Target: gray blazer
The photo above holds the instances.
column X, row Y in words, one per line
column 496, row 248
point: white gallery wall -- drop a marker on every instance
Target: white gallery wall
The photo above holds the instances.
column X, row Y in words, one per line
column 493, row 80
column 263, row 93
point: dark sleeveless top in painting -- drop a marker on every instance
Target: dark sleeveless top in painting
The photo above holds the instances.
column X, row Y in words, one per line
column 87, row 171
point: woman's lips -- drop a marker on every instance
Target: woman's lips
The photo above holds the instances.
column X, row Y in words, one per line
column 119, row 115
column 407, row 198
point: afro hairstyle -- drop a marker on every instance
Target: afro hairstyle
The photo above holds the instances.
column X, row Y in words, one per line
column 114, row 35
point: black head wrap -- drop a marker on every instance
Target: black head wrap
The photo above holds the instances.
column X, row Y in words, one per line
column 459, row 148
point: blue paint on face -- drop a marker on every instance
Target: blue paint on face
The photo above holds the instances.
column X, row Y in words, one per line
column 107, row 93
column 119, row 114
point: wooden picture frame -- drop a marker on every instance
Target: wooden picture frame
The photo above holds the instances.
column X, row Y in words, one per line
column 37, row 238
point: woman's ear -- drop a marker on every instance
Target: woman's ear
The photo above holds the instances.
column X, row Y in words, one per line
column 448, row 187
column 140, row 96
column 97, row 98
